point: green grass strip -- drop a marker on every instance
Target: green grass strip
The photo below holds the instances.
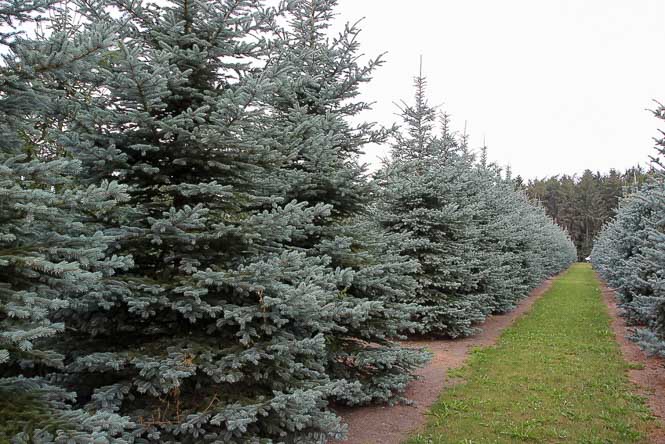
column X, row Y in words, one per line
column 556, row 375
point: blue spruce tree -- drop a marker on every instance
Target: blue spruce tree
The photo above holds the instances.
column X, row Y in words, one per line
column 52, row 254
column 502, row 275
column 316, row 100
column 430, row 191
column 239, row 320
column 481, row 245
column 630, row 255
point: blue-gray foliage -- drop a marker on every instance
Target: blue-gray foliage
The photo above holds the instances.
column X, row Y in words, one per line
column 629, row 254
column 194, row 251
column 481, row 245
column 250, row 305
column 314, row 127
column 53, row 253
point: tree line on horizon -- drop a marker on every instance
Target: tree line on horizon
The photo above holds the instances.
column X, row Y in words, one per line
column 583, row 204
column 191, row 250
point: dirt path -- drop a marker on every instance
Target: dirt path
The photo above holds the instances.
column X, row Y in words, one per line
column 392, row 425
column 651, row 378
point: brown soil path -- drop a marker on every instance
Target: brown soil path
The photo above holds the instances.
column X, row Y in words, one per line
column 392, row 425
column 651, row 378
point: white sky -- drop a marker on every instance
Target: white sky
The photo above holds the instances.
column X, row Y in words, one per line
column 555, row 86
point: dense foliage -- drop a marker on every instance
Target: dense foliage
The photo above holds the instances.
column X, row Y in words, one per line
column 481, row 244
column 191, row 249
column 52, row 251
column 582, row 205
column 629, row 253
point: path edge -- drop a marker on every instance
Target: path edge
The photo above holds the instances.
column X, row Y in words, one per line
column 448, row 354
column 648, row 381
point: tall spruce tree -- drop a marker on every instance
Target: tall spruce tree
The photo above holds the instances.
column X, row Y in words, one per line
column 481, row 244
column 52, row 254
column 501, row 271
column 630, row 254
column 246, row 311
column 430, row 191
column 316, row 100
column 218, row 332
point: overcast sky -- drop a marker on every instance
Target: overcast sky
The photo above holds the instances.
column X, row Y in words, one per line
column 554, row 86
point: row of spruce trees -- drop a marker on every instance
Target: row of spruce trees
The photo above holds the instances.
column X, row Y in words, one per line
column 629, row 254
column 190, row 249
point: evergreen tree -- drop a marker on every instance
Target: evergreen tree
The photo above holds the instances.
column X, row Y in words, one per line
column 503, row 277
column 51, row 254
column 630, row 254
column 319, row 80
column 246, row 310
column 429, row 192
column 520, row 244
column 481, row 245
column 582, row 205
column 218, row 332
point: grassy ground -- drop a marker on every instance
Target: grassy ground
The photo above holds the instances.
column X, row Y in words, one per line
column 556, row 375
column 19, row 413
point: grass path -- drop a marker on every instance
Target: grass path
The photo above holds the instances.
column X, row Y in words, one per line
column 556, row 375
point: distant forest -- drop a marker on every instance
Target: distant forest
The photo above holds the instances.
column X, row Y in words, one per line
column 582, row 204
